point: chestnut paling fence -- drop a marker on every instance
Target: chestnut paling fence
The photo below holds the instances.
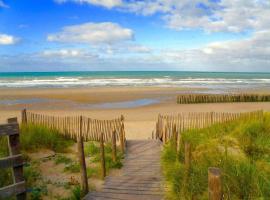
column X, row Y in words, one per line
column 80, row 129
column 169, row 126
column 74, row 126
column 219, row 98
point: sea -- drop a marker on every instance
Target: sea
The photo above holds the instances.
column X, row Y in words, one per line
column 212, row 80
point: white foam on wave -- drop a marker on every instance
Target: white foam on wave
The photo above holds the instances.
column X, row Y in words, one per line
column 112, row 81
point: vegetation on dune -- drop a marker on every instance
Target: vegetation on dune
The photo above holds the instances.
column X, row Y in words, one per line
column 5, row 174
column 92, row 150
column 241, row 149
column 35, row 137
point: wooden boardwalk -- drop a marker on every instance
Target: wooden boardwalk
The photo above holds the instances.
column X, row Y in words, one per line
column 139, row 178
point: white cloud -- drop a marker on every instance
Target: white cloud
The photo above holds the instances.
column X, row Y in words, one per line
column 104, row 3
column 139, row 49
column 125, row 48
column 2, row 4
column 8, row 39
column 253, row 49
column 223, row 15
column 250, row 54
column 93, row 33
column 211, row 16
column 67, row 53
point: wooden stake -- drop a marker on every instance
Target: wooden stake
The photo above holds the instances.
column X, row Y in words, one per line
column 175, row 136
column 24, row 117
column 187, row 156
column 123, row 131
column 81, row 156
column 84, row 180
column 114, row 146
column 102, row 156
column 214, row 184
column 122, row 135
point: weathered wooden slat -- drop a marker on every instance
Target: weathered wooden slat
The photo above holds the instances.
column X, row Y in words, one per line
column 15, row 189
column 9, row 129
column 106, row 196
column 11, row 161
column 140, row 177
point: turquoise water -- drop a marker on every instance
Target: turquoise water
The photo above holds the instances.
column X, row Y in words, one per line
column 213, row 80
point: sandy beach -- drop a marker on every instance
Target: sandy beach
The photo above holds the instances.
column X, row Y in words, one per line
column 140, row 119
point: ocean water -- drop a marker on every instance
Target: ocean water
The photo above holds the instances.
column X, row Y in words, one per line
column 212, row 80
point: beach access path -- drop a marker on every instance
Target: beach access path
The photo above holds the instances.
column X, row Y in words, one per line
column 140, row 176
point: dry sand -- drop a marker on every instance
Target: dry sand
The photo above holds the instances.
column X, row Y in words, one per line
column 139, row 121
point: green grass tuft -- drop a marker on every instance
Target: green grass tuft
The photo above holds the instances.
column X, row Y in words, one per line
column 62, row 159
column 34, row 137
column 240, row 149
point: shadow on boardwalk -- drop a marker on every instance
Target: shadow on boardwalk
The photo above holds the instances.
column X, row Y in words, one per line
column 140, row 177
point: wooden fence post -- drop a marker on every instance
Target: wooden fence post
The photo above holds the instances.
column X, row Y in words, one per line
column 187, row 155
column 81, row 156
column 14, row 149
column 175, row 138
column 24, row 116
column 122, row 135
column 214, row 184
column 113, row 146
column 102, row 156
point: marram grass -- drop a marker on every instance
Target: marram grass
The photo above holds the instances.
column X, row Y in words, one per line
column 34, row 137
column 241, row 149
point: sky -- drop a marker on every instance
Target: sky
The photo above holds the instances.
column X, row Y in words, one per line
column 108, row 35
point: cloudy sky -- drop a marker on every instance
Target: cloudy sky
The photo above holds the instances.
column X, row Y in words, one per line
column 190, row 35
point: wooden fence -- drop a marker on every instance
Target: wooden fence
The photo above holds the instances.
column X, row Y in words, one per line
column 83, row 129
column 213, row 98
column 14, row 161
column 72, row 127
column 169, row 126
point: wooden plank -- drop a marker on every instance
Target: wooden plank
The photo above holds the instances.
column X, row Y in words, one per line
column 105, row 196
column 140, row 177
column 15, row 189
column 11, row 161
column 9, row 129
column 14, row 149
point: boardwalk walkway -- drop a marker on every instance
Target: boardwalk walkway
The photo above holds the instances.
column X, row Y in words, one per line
column 139, row 179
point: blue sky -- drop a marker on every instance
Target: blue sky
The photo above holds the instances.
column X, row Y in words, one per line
column 200, row 35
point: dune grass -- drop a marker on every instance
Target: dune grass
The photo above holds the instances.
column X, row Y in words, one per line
column 32, row 138
column 92, row 150
column 35, row 137
column 241, row 149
